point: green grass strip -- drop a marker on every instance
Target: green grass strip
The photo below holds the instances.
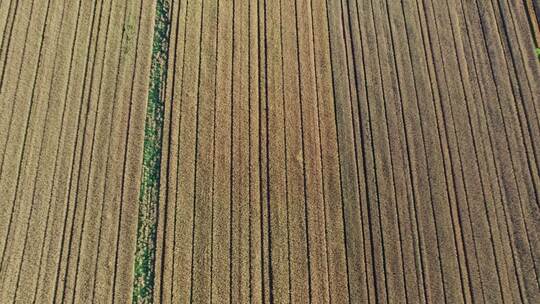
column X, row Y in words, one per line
column 143, row 285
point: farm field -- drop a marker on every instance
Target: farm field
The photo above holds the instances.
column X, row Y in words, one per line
column 305, row 151
column 73, row 90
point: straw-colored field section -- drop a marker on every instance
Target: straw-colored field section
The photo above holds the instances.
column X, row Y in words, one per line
column 74, row 81
column 310, row 151
column 350, row 152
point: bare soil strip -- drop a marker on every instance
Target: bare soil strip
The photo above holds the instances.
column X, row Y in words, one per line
column 306, row 151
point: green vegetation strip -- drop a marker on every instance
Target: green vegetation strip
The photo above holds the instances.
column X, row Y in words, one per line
column 149, row 192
